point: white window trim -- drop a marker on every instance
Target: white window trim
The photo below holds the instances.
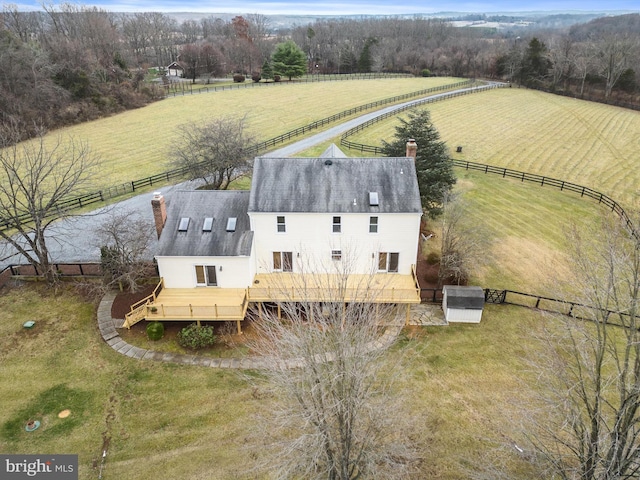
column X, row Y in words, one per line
column 335, row 224
column 376, row 225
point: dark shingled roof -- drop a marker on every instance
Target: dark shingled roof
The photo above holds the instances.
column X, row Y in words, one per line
column 198, row 205
column 330, row 185
column 471, row 298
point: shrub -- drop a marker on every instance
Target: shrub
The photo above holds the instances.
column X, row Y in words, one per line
column 256, row 77
column 426, row 72
column 433, row 258
column 238, row 78
column 155, row 331
column 276, row 78
column 196, row 337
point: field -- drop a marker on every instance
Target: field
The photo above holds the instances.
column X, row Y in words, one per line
column 586, row 143
column 139, row 143
column 160, row 421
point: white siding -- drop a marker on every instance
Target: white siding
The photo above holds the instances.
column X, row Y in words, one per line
column 453, row 315
column 179, row 272
column 310, row 238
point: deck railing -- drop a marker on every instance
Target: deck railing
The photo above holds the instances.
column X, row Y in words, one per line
column 322, row 294
column 140, row 309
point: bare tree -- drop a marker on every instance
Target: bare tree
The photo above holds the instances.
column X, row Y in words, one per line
column 590, row 376
column 337, row 414
column 463, row 245
column 36, row 177
column 583, row 62
column 216, row 151
column 615, row 56
column 125, row 239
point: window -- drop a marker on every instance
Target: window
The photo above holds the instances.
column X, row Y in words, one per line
column 373, row 224
column 282, row 227
column 336, row 255
column 337, row 226
column 283, row 261
column 388, row 261
column 373, row 199
column 231, row 224
column 206, row 275
column 207, row 225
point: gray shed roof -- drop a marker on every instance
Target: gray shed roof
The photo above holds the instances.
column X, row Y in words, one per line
column 334, row 185
column 197, row 206
column 471, row 298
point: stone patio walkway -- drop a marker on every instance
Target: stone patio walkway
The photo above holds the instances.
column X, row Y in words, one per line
column 423, row 314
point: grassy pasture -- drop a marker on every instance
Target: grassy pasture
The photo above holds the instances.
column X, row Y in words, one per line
column 160, row 421
column 587, row 143
column 138, row 143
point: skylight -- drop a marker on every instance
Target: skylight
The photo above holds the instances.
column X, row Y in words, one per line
column 184, row 224
column 231, row 224
column 373, row 199
column 208, row 223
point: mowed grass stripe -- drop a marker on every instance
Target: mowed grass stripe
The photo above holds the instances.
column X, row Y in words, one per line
column 139, row 143
column 526, row 226
column 582, row 142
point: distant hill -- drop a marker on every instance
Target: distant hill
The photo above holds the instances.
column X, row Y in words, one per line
column 538, row 19
column 619, row 24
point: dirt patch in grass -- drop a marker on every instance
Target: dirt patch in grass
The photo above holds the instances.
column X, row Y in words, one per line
column 123, row 301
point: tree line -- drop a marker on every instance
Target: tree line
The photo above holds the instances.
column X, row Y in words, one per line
column 70, row 63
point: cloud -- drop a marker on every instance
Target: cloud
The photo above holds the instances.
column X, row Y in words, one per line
column 353, row 7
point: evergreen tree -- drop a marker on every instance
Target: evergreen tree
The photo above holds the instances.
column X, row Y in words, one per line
column 267, row 70
column 535, row 63
column 365, row 62
column 433, row 165
column 289, row 60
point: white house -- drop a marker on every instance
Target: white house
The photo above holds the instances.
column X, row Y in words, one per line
column 321, row 212
column 304, row 219
column 207, row 241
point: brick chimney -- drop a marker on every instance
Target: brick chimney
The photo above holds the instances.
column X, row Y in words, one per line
column 159, row 211
column 412, row 149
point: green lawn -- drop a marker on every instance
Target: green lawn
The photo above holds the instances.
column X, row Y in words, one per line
column 160, row 421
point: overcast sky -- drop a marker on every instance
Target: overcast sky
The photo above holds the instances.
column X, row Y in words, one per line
column 358, row 7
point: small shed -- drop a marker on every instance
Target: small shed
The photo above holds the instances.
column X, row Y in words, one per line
column 462, row 304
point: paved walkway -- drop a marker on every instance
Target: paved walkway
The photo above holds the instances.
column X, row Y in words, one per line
column 421, row 315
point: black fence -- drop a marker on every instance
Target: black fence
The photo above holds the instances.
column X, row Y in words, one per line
column 561, row 185
column 162, row 178
column 183, row 87
column 554, row 305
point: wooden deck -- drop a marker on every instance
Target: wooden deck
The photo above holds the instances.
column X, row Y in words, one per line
column 378, row 288
column 230, row 304
column 190, row 304
column 204, row 303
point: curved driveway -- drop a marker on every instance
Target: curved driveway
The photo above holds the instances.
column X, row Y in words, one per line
column 75, row 240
